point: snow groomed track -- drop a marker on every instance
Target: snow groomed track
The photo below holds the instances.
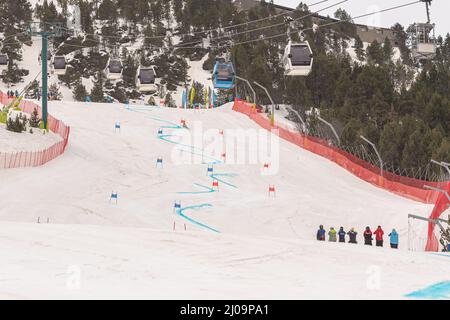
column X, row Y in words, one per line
column 200, row 152
column 238, row 241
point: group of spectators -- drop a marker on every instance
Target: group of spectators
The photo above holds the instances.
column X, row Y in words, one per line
column 334, row 235
column 11, row 94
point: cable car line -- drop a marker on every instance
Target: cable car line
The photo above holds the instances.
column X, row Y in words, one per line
column 210, row 30
column 182, row 46
column 321, row 26
column 269, row 26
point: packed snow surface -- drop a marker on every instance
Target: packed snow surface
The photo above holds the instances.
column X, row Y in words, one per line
column 12, row 142
column 239, row 242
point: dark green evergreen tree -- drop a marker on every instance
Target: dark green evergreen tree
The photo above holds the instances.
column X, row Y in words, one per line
column 97, row 92
column 79, row 91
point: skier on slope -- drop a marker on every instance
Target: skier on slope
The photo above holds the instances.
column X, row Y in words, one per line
column 379, row 236
column 321, row 234
column 393, row 237
column 368, row 236
column 332, row 235
column 341, row 234
column 352, row 235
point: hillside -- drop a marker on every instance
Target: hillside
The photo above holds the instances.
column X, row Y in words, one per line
column 167, row 189
column 246, row 238
column 372, row 89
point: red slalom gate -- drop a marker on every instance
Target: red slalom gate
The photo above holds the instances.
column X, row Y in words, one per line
column 407, row 187
column 41, row 157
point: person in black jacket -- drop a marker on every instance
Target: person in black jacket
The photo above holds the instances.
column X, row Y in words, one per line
column 368, row 236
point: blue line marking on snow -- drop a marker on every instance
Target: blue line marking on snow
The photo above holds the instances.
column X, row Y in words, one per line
column 209, row 190
column 216, row 175
column 447, row 255
column 180, row 212
column 173, row 125
column 439, row 290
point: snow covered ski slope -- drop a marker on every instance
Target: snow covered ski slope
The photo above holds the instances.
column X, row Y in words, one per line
column 240, row 240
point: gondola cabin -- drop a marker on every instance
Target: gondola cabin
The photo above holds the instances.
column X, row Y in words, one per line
column 423, row 42
column 3, row 62
column 114, row 69
column 298, row 59
column 59, row 65
column 146, row 79
column 224, row 75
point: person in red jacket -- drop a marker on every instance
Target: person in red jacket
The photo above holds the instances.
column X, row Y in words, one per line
column 367, row 236
column 379, row 236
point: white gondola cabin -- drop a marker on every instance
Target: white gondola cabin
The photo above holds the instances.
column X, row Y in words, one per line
column 3, row 62
column 59, row 65
column 114, row 69
column 423, row 42
column 146, row 79
column 298, row 59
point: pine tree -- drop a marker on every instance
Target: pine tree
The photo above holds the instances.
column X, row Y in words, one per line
column 15, row 15
column 18, row 125
column 387, row 50
column 169, row 102
column 34, row 121
column 54, row 93
column 401, row 41
column 107, row 11
column 79, row 91
column 97, row 92
column 375, row 53
column 359, row 49
column 199, row 93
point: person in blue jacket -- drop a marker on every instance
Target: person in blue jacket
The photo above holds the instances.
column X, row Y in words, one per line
column 321, row 234
column 341, row 234
column 393, row 236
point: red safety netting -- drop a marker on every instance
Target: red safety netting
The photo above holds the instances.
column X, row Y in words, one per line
column 403, row 186
column 440, row 206
column 35, row 158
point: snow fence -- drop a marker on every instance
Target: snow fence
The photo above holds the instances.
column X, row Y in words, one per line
column 407, row 187
column 35, row 158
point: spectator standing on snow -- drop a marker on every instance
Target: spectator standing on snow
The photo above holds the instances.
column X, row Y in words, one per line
column 321, row 234
column 352, row 235
column 341, row 234
column 368, row 236
column 393, row 237
column 332, row 235
column 379, row 233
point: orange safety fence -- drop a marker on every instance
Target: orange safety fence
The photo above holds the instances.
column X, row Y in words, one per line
column 35, row 158
column 404, row 186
